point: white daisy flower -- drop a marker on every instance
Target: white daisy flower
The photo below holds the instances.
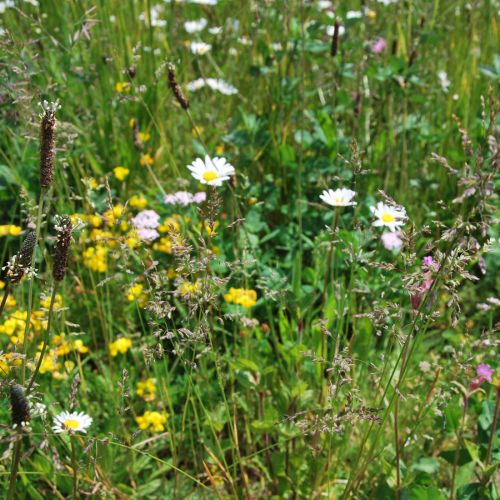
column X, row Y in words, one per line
column 324, row 4
column 388, row 216
column 211, row 173
column 74, row 421
column 222, row 86
column 195, row 85
column 339, row 197
column 216, row 30
column 200, row 47
column 195, row 26
column 204, row 2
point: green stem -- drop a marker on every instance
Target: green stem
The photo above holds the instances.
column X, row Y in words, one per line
column 75, row 479
column 15, row 467
column 47, row 335
column 5, row 295
column 30, row 291
column 493, row 428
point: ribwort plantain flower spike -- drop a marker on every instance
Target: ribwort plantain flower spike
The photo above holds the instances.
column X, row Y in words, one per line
column 65, row 229
column 47, row 131
column 20, row 406
column 20, row 263
column 176, row 88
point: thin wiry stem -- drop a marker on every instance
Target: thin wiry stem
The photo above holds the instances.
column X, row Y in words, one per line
column 30, row 291
column 75, row 478
column 5, row 295
column 47, row 335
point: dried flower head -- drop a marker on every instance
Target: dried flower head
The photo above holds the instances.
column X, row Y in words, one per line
column 47, row 129
column 65, row 230
column 20, row 406
column 176, row 88
column 20, row 263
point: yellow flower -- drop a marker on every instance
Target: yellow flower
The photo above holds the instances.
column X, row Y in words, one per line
column 207, row 227
column 253, row 201
column 132, row 239
column 138, row 201
column 121, row 173
column 96, row 220
column 78, row 346
column 144, row 136
column 122, row 87
column 69, row 365
column 11, row 302
column 14, row 230
column 153, row 419
column 147, row 158
column 95, row 258
column 48, row 362
column 165, row 245
column 146, row 389
column 135, row 293
column 59, row 376
column 190, row 288
column 2, row 285
column 120, row 345
column 242, row 297
column 45, row 303
column 171, row 273
column 371, row 13
column 219, row 149
column 92, row 182
column 170, row 221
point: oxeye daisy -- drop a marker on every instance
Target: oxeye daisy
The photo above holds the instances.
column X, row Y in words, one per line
column 74, row 421
column 211, row 172
column 338, row 198
column 388, row 216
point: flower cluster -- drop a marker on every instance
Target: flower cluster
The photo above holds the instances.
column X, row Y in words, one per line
column 241, row 297
column 121, row 345
column 147, row 389
column 214, row 83
column 9, row 229
column 184, row 198
column 154, row 419
column 135, row 293
column 146, row 222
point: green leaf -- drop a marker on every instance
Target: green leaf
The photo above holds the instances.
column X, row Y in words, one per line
column 489, row 71
column 246, row 363
column 464, row 475
column 474, row 452
column 262, row 426
column 469, row 492
column 422, row 493
column 464, row 456
column 429, row 465
column 245, row 379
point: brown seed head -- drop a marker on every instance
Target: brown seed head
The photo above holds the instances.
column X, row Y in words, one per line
column 20, row 406
column 47, row 130
column 335, row 39
column 64, row 239
column 137, row 138
column 22, row 260
column 176, row 88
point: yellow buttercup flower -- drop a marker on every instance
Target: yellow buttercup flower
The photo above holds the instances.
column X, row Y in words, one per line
column 120, row 345
column 122, row 87
column 78, row 346
column 146, row 389
column 138, row 201
column 135, row 293
column 154, row 419
column 147, row 158
column 242, row 297
column 190, row 288
column 121, row 173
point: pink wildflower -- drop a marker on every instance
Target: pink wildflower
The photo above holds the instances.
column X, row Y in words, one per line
column 379, row 46
column 147, row 219
column 485, row 371
column 391, row 240
column 148, row 234
column 475, row 384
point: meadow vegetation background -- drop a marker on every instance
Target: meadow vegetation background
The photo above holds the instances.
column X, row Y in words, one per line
column 249, row 340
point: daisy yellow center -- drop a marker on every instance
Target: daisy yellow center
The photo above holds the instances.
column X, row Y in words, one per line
column 388, row 218
column 210, row 176
column 71, row 424
column 339, row 201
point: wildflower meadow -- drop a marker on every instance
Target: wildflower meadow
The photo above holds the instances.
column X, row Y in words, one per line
column 250, row 249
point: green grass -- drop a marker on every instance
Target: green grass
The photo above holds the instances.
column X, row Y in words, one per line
column 300, row 123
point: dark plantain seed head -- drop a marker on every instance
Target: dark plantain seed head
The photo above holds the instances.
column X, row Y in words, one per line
column 64, row 239
column 176, row 88
column 47, row 130
column 20, row 405
column 22, row 261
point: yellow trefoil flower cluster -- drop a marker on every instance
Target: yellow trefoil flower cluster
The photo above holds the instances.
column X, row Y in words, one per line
column 121, row 173
column 135, row 292
column 9, row 229
column 120, row 345
column 154, row 419
column 146, row 389
column 241, row 297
